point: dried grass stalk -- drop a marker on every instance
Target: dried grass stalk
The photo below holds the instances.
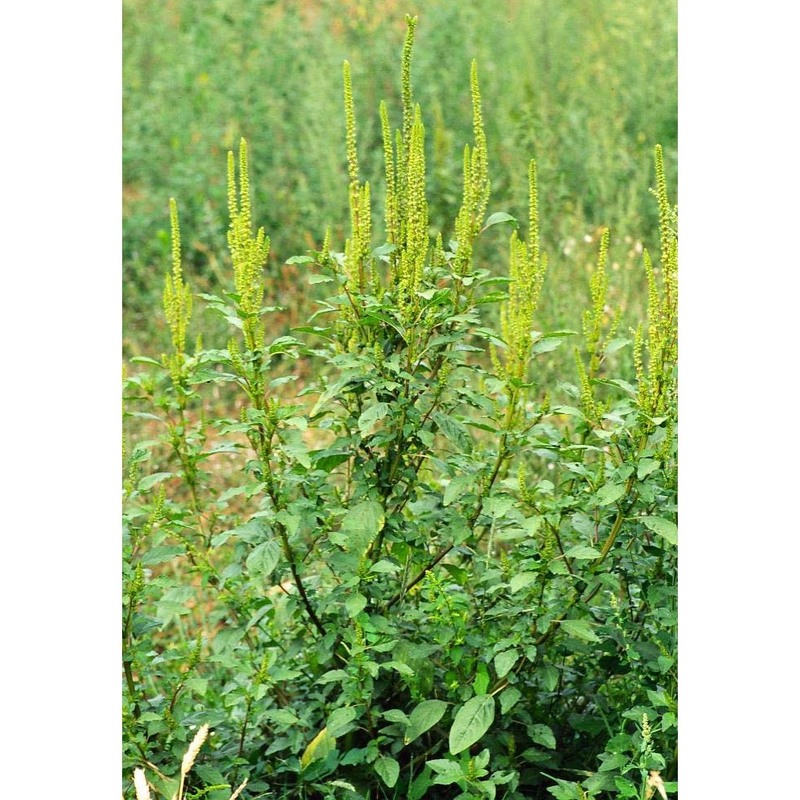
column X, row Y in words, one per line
column 140, row 784
column 194, row 749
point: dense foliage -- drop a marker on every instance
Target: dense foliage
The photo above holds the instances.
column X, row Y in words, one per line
column 378, row 555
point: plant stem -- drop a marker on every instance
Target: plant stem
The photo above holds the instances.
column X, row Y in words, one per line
column 131, row 687
column 502, row 454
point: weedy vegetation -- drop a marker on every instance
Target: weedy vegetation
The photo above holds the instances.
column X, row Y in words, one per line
column 588, row 87
column 381, row 554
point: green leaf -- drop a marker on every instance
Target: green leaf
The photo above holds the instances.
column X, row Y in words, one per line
column 580, row 629
column 167, row 787
column 420, row 786
column 342, row 785
column 423, row 718
column 509, row 698
column 388, row 769
column 646, row 466
column 504, row 661
column 143, row 414
column 658, row 698
column 250, row 532
column 396, row 715
column 296, row 448
column 319, row 747
column 492, row 297
column 582, row 551
column 543, row 735
column 565, row 790
column 613, row 761
column 162, row 554
column 283, row 716
column 368, row 420
column 384, row 566
column 457, row 487
column 669, row 720
column 360, row 526
column 498, row 506
column 481, row 682
column 446, row 771
column 545, row 345
column 339, row 721
column 355, row 605
column 384, row 250
column 521, row 580
column 626, row 387
column 497, row 218
column 283, row 345
column 332, row 675
column 663, row 527
column 616, row 344
column 149, row 481
column 610, row 493
column 568, row 411
column 625, row 787
column 209, row 776
column 198, row 685
column 454, row 430
column 146, row 360
column 328, row 460
column 263, row 560
column 471, row 722
column 398, row 666
column 549, row 678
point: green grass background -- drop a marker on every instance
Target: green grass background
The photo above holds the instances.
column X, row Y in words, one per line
column 585, row 87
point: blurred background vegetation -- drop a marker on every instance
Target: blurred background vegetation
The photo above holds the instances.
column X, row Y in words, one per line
column 586, row 87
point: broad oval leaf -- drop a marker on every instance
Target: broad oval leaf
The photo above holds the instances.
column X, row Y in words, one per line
column 339, row 721
column 388, row 769
column 447, row 772
column 161, row 554
column 497, row 218
column 149, row 481
column 457, row 487
column 423, row 718
column 368, row 420
column 328, row 460
column 610, row 493
column 384, row 566
column 283, row 716
column 646, row 466
column 509, row 698
column 396, row 715
column 481, row 682
column 360, row 526
column 582, row 551
column 313, row 279
column 663, row 527
column 543, row 735
column 504, row 661
column 521, row 580
column 319, row 747
column 580, row 629
column 549, row 678
column 332, row 675
column 471, row 722
column 263, row 560
column 355, row 604
column 398, row 666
